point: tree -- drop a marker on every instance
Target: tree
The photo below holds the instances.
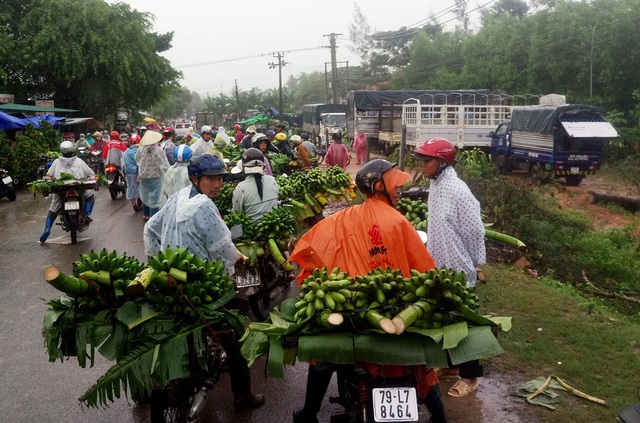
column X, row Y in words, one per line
column 89, row 55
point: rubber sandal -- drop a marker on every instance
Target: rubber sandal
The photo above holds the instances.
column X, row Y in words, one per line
column 462, row 388
column 445, row 374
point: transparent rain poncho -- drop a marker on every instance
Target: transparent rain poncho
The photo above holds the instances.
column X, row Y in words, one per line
column 176, row 178
column 73, row 166
column 191, row 220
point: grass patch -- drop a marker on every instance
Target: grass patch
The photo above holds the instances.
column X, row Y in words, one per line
column 556, row 330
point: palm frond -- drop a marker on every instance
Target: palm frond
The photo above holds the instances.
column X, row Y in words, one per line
column 153, row 362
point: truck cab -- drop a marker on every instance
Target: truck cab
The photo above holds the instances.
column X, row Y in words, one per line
column 331, row 123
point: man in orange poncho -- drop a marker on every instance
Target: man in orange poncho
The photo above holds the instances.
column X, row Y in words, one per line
column 359, row 239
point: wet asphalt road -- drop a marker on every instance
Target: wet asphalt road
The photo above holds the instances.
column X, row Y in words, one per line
column 34, row 390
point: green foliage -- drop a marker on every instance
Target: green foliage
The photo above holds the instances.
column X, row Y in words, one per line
column 557, row 239
column 26, row 153
column 6, row 161
column 90, row 54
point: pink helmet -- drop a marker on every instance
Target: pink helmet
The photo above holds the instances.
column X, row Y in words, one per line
column 436, row 147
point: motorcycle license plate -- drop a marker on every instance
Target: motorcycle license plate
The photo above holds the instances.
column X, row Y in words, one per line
column 72, row 205
column 250, row 278
column 575, row 170
column 395, row 405
column 7, row 180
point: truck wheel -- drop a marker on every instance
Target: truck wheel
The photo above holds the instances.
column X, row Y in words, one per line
column 573, row 180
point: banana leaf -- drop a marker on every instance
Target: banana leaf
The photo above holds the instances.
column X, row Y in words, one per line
column 156, row 360
column 453, row 334
column 479, row 343
column 275, row 359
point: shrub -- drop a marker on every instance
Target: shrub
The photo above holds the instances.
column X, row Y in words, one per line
column 26, row 154
column 5, row 153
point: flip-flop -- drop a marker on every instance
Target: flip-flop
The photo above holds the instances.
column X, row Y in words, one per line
column 444, row 374
column 462, row 388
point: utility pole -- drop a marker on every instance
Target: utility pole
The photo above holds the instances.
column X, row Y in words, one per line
column 335, row 84
column 280, row 64
column 237, row 102
column 334, row 67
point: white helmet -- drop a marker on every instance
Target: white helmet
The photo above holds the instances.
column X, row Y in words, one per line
column 67, row 148
column 206, row 129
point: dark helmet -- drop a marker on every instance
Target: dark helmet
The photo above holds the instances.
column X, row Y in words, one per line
column 253, row 161
column 206, row 164
column 304, row 136
column 280, row 125
column 371, row 173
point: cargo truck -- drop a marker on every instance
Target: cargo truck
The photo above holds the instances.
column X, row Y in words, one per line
column 323, row 120
column 555, row 141
column 464, row 117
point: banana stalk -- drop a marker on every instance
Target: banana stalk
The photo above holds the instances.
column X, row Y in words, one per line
column 273, row 247
column 67, row 284
column 505, row 239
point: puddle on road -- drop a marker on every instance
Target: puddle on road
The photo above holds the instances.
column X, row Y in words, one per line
column 491, row 403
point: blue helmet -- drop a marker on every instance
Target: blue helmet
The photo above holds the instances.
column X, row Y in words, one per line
column 271, row 133
column 182, row 153
column 206, row 164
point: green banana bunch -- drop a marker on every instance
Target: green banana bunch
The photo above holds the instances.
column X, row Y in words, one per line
column 241, row 218
column 277, row 224
column 181, row 281
column 416, row 211
column 224, row 200
column 110, row 273
column 437, row 296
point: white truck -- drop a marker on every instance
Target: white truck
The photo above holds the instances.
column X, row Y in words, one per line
column 323, row 120
column 464, row 117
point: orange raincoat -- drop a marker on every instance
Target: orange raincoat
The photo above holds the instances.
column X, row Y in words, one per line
column 391, row 240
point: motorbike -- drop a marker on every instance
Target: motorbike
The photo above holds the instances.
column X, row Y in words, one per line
column 96, row 162
column 184, row 399
column 262, row 282
column 117, row 181
column 631, row 413
column 7, row 185
column 81, row 152
column 368, row 399
column 46, row 161
column 71, row 214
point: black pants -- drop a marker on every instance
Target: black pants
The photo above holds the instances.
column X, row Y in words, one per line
column 469, row 370
column 239, row 373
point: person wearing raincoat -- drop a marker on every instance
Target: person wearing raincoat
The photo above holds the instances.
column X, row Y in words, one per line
column 337, row 153
column 360, row 146
column 177, row 176
column 131, row 173
column 204, row 143
column 219, row 144
column 359, row 239
column 191, row 220
column 152, row 165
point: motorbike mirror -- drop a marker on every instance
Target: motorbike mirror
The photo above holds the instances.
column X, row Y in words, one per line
column 423, row 236
column 236, row 231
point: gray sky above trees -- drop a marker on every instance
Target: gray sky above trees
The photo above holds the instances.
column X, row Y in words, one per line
column 218, row 42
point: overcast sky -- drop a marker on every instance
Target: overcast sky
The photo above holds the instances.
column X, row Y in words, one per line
column 217, row 43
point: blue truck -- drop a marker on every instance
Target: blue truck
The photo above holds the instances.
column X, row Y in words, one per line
column 558, row 141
